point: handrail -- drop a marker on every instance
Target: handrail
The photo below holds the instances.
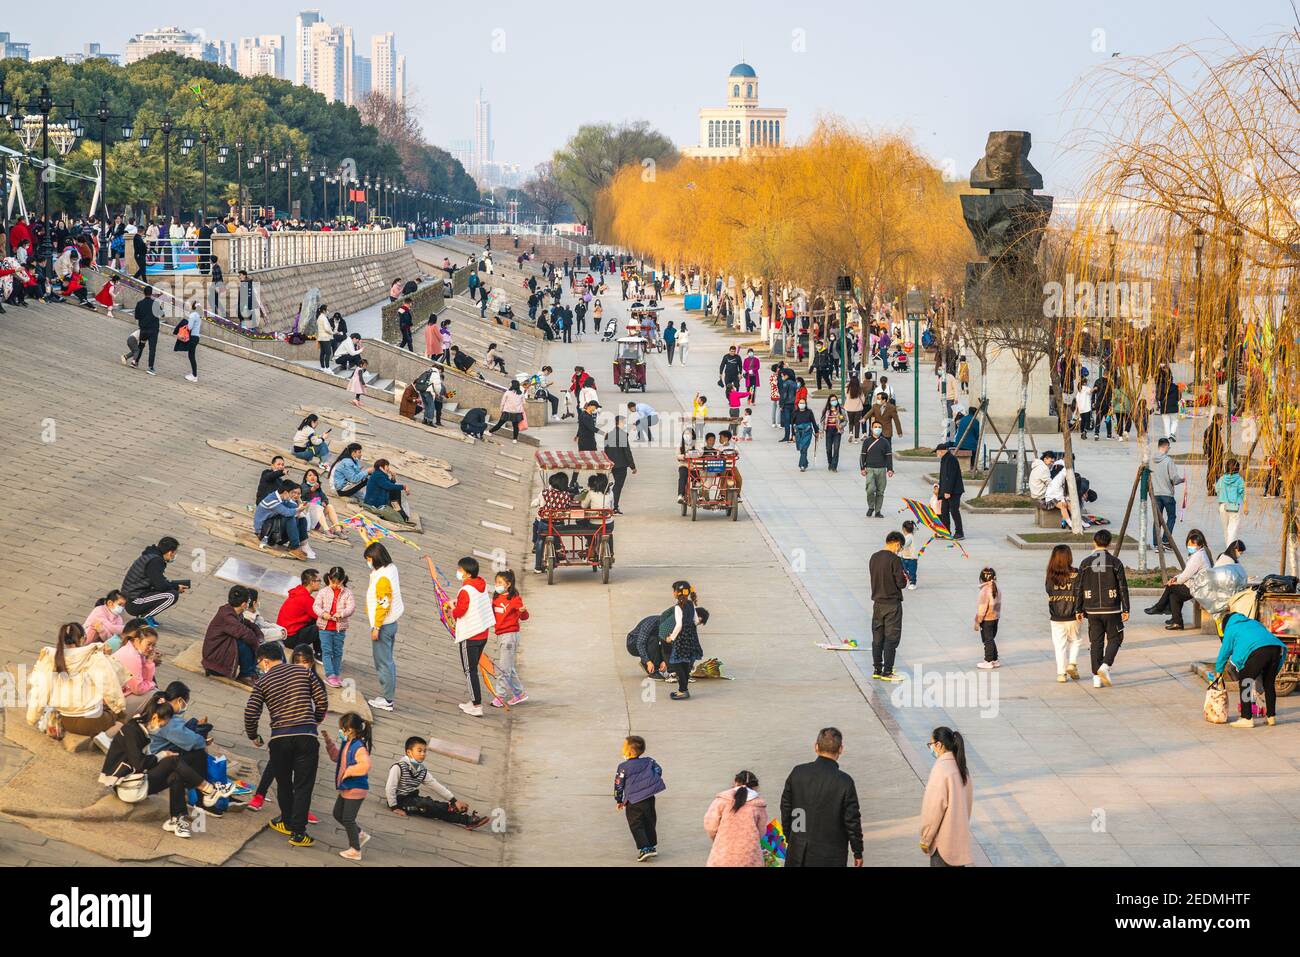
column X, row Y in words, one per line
column 254, row 251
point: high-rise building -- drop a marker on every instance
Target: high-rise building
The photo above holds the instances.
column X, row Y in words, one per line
column 89, row 51
column 325, row 62
column 9, row 49
column 302, row 41
column 399, row 87
column 383, row 65
column 361, row 82
column 173, row 40
column 261, row 56
column 462, row 151
column 482, row 136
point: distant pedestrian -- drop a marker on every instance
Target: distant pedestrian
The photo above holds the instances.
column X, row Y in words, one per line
column 951, row 488
column 826, row 800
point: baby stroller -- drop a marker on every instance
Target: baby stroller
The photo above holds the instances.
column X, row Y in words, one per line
column 611, row 330
column 899, row 363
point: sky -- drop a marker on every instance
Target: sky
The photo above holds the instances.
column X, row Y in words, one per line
column 947, row 71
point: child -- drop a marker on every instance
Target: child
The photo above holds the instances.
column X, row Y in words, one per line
column 333, row 605
column 508, row 610
column 746, row 426
column 907, row 554
column 403, row 791
column 636, row 782
column 472, row 613
column 107, row 296
column 986, row 618
column 357, row 384
column 935, row 505
column 735, row 399
column 351, row 776
column 700, row 410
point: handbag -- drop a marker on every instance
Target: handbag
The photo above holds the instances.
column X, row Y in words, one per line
column 1215, row 708
column 183, row 331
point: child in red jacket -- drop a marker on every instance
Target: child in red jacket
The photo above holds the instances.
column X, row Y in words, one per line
column 508, row 610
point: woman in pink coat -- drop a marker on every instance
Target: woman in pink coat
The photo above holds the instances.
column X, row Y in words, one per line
column 735, row 822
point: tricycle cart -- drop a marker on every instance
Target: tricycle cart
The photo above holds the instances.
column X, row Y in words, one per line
column 575, row 536
column 711, row 484
column 629, row 363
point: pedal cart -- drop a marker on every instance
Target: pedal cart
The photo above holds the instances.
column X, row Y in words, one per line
column 629, row 363
column 711, row 484
column 575, row 536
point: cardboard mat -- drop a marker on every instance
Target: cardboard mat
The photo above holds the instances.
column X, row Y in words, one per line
column 411, row 465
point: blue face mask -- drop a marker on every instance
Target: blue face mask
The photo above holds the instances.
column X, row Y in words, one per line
column 415, row 764
column 1193, row 549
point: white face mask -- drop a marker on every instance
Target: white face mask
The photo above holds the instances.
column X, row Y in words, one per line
column 460, row 575
column 803, row 405
column 500, row 589
column 876, row 430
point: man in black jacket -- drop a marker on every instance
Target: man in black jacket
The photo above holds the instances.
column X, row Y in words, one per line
column 147, row 312
column 271, row 478
column 888, row 579
column 619, row 450
column 1101, row 595
column 148, row 591
column 951, row 488
column 587, row 428
column 819, row 809
column 729, row 370
column 643, row 641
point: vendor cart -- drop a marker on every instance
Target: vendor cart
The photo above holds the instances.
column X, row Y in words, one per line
column 574, row 536
column 712, row 483
column 629, row 363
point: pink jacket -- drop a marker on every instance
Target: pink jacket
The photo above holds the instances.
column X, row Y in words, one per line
column 139, row 668
column 101, row 624
column 735, row 834
column 945, row 812
column 990, row 604
column 324, row 600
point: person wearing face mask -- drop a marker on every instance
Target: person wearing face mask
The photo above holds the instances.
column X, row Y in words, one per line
column 508, row 611
column 876, row 463
column 804, row 424
column 106, row 620
column 787, row 391
column 751, row 368
column 685, row 449
column 1176, row 592
column 833, row 421
column 472, row 612
column 384, row 608
column 946, row 805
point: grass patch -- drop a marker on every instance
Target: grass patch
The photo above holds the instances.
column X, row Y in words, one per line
column 924, row 452
column 1001, row 500
column 1066, row 538
column 1147, row 579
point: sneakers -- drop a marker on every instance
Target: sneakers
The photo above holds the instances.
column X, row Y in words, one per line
column 891, row 676
column 1073, row 671
column 312, row 818
column 476, row 822
column 498, row 703
column 301, row 840
column 645, row 854
column 988, row 665
column 333, row 681
column 1096, row 681
column 349, row 855
column 911, row 586
column 519, row 698
column 381, row 703
column 1104, row 674
column 1243, row 723
column 218, row 792
column 307, row 550
column 150, row 372
column 256, row 803
column 191, row 378
column 1062, row 679
column 177, row 825
column 151, row 621
column 680, row 695
column 277, row 824
column 102, row 741
column 473, row 710
column 364, row 839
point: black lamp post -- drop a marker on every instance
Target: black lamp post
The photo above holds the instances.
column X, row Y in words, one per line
column 105, row 116
column 1198, row 244
column 146, row 137
column 323, row 175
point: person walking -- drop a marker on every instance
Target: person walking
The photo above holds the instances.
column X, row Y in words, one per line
column 147, row 314
column 1165, row 478
column 296, row 700
column 473, row 615
column 588, row 429
column 1061, row 574
column 351, row 757
column 833, row 423
column 1101, row 596
column 987, row 613
column 670, row 340
column 804, row 424
column 888, row 579
column 951, row 488
column 730, row 370
column 827, row 801
column 946, row 804
column 508, row 611
column 735, row 822
column 885, row 414
column 512, row 410
column 384, row 608
column 1230, row 490
column 787, row 396
column 637, row 780
column 854, row 407
column 876, row 464
column 683, row 342
column 188, row 331
column 618, row 448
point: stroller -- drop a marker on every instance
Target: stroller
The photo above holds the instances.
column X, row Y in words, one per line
column 899, row 363
column 611, row 330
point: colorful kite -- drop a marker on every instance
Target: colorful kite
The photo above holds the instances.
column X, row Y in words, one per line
column 925, row 515
column 371, row 531
column 773, row 844
column 487, row 670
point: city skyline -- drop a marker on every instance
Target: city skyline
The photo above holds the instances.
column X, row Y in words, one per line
column 813, row 61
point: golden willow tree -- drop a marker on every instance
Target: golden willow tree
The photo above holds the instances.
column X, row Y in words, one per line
column 847, row 202
column 1195, row 186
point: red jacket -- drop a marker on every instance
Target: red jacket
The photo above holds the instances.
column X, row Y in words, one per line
column 509, row 613
column 297, row 610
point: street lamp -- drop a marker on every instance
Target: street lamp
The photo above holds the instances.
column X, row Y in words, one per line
column 1198, row 244
column 105, row 116
column 146, row 137
column 1231, row 334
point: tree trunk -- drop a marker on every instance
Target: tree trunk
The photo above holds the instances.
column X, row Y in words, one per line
column 1021, row 474
column 1067, row 450
column 1141, row 417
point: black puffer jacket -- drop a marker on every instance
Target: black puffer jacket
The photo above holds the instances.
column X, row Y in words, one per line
column 1060, row 599
column 145, row 576
column 1101, row 587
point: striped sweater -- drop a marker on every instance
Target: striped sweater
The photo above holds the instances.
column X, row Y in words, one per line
column 294, row 696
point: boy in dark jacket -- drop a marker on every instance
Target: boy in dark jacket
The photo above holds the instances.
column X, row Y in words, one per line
column 636, row 782
column 230, row 643
column 1101, row 595
column 148, row 591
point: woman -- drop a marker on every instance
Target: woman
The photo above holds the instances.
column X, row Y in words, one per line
column 320, row 513
column 347, row 474
column 75, row 687
column 1230, row 490
column 774, row 391
column 683, row 342
column 140, row 658
column 338, row 331
column 946, row 806
column 307, row 445
column 751, row 368
column 512, row 410
column 1257, row 655
column 384, row 493
column 188, row 331
column 685, row 449
column 804, row 424
column 324, row 337
column 106, row 621
column 684, row 639
column 735, row 823
column 1061, row 574
column 854, row 406
column 1232, row 554
column 1176, row 592
column 432, row 339
column 597, row 312
column 833, row 422
column 383, row 608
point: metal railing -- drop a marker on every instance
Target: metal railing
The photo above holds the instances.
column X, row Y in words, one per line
column 177, row 255
column 253, row 251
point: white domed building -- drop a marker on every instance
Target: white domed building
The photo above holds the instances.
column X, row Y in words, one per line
column 728, row 132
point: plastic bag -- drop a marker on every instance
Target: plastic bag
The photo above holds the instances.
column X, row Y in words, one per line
column 1214, row 588
column 1215, row 708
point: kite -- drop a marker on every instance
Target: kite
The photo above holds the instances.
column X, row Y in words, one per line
column 487, row 670
column 371, row 531
column 773, row 844
column 197, row 90
column 925, row 515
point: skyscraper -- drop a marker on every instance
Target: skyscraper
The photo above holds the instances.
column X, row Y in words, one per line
column 302, row 41
column 361, row 82
column 399, row 90
column 261, row 56
column 172, row 40
column 482, row 135
column 383, row 65
column 325, row 61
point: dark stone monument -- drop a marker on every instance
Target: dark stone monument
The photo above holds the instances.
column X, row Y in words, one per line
column 1007, row 223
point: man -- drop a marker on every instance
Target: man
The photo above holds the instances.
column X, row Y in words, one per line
column 147, row 313
column 278, row 519
column 821, row 363
column 404, row 325
column 297, row 616
column 587, row 429
column 876, row 463
column 788, row 392
column 249, row 306
column 951, row 396
column 1040, row 476
column 1101, row 596
column 888, row 579
column 464, row 362
column 819, row 809
column 729, row 370
column 431, row 390
column 1165, row 477
column 230, row 643
column 296, row 700
column 1057, row 497
column 618, row 449
column 646, row 417
column 670, row 340
column 951, row 488
column 139, row 250
column 348, row 354
column 147, row 590
column 270, row 479
column 885, row 414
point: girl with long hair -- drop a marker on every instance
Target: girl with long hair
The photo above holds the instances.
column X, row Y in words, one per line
column 946, row 805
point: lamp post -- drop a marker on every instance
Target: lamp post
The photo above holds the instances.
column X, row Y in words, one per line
column 105, row 116
column 44, row 105
column 323, row 173
column 146, row 137
column 1112, row 239
column 1230, row 315
column 1198, row 244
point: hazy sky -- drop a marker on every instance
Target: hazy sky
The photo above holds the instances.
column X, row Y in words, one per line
column 949, row 71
